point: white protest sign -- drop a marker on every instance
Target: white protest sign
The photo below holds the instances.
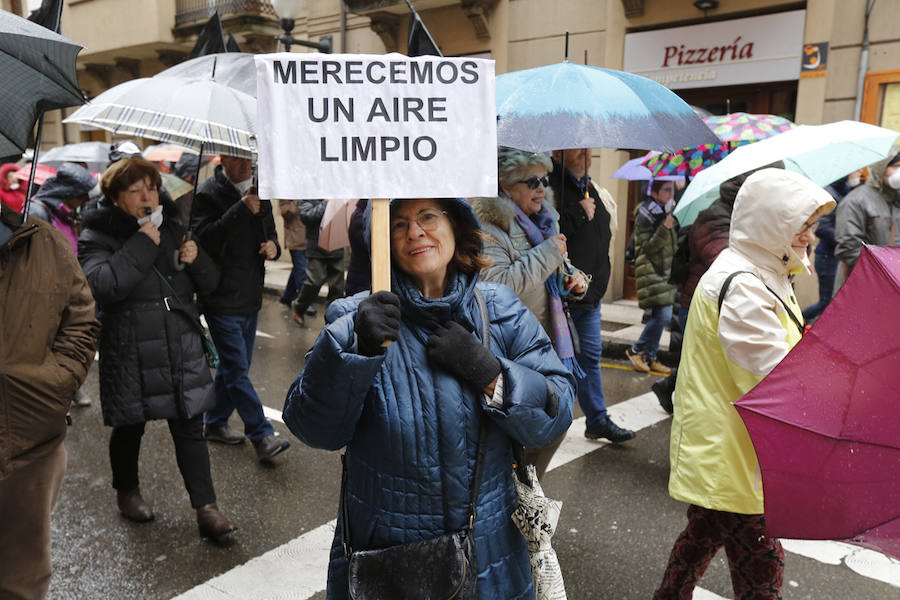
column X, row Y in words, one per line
column 375, row 126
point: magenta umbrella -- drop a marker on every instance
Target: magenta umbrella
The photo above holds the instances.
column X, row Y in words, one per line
column 825, row 422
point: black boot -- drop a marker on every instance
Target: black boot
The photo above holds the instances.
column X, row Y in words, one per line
column 664, row 389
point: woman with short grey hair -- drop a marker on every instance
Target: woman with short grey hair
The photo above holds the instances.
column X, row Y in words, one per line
column 528, row 253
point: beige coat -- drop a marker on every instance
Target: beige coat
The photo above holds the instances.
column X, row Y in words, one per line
column 514, row 261
column 294, row 229
column 48, row 336
column 726, row 354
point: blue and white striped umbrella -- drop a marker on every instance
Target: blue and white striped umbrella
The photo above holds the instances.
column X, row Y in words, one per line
column 576, row 106
column 179, row 111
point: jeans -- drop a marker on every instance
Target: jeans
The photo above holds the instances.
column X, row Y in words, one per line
column 191, row 454
column 234, row 336
column 648, row 343
column 826, row 268
column 297, row 276
column 590, row 389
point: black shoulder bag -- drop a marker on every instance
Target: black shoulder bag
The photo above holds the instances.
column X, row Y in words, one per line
column 790, row 313
column 209, row 348
column 440, row 568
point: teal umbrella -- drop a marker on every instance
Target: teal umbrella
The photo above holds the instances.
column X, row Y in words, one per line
column 823, row 153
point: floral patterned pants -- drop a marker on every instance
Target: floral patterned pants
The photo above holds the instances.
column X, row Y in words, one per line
column 756, row 561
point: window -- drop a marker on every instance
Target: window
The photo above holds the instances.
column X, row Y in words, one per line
column 881, row 99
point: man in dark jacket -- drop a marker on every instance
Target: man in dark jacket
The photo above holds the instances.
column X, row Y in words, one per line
column 584, row 221
column 237, row 229
column 322, row 266
column 44, row 298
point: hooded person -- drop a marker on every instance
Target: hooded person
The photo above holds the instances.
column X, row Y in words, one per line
column 12, row 191
column 870, row 214
column 60, row 197
column 744, row 319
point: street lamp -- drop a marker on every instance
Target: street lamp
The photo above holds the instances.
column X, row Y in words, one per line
column 287, row 11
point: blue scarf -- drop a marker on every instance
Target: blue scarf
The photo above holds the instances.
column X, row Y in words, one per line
column 538, row 227
column 423, row 315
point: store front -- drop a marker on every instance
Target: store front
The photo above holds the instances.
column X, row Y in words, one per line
column 738, row 65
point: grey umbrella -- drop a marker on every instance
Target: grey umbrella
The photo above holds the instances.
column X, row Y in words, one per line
column 39, row 68
column 93, row 154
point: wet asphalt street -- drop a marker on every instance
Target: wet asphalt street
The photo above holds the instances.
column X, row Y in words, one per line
column 614, row 536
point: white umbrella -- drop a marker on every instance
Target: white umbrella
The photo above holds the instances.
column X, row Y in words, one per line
column 823, row 153
column 179, row 111
column 94, row 154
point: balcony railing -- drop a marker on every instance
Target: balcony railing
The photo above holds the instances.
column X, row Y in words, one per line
column 191, row 11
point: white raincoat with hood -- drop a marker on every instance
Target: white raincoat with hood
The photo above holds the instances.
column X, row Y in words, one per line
column 725, row 355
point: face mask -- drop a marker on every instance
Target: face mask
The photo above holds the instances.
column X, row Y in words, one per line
column 156, row 217
column 894, row 180
column 14, row 186
column 853, row 181
column 806, row 264
column 243, row 186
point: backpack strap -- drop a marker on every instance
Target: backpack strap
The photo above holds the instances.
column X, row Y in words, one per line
column 787, row 309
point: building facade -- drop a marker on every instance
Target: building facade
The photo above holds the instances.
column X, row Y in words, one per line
column 802, row 60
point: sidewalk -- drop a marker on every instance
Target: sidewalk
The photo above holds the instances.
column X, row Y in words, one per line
column 621, row 318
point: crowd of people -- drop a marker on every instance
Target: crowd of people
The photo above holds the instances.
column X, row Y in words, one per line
column 489, row 335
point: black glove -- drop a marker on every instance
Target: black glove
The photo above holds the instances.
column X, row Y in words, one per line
column 460, row 353
column 377, row 320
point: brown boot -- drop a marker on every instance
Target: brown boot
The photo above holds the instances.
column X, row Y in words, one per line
column 214, row 525
column 133, row 507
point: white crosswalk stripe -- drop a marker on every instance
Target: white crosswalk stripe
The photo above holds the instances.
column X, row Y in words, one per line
column 298, row 569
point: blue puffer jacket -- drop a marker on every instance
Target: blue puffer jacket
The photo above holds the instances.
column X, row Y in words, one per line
column 411, row 429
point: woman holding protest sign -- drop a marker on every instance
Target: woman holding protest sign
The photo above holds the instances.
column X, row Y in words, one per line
column 428, row 421
column 528, row 254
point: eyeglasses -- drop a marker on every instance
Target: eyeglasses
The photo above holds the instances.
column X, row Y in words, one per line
column 809, row 227
column 533, row 182
column 427, row 220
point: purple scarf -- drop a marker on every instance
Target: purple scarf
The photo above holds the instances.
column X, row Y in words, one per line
column 538, row 227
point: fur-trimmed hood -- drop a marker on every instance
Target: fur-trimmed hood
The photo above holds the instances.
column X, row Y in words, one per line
column 498, row 211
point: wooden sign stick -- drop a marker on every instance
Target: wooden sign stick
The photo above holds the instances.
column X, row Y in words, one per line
column 381, row 247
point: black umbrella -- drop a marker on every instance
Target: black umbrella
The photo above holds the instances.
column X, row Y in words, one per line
column 42, row 65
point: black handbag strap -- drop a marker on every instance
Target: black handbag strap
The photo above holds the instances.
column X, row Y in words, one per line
column 480, row 450
column 180, row 307
column 790, row 313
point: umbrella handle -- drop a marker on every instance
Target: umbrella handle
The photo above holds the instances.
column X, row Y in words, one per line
column 176, row 262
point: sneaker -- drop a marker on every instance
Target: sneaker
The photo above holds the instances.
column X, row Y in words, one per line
column 637, row 360
column 660, row 387
column 310, row 311
column 269, row 447
column 81, row 398
column 223, row 435
column 657, row 366
column 609, row 431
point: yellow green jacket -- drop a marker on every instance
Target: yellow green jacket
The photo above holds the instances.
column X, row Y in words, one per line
column 725, row 354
